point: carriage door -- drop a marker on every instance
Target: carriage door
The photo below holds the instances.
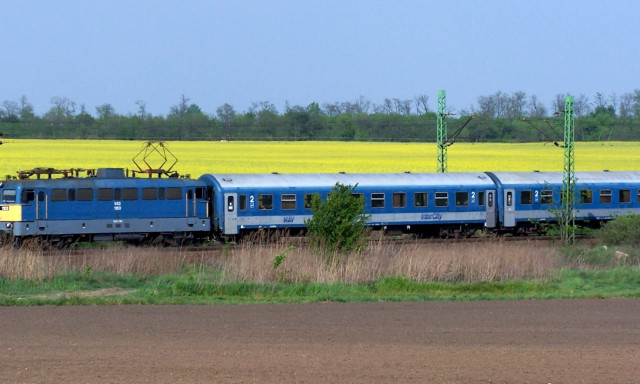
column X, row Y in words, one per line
column 491, row 209
column 230, row 213
column 42, row 205
column 509, row 208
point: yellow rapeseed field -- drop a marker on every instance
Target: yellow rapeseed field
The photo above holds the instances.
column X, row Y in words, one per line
column 196, row 158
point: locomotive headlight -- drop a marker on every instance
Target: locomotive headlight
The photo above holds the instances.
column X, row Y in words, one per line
column 8, row 225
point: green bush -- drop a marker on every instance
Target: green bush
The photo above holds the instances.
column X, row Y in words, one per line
column 621, row 230
column 339, row 223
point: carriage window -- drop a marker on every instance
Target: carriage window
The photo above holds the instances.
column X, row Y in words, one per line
column 526, row 197
column 265, row 201
column 625, row 195
column 546, row 196
column 174, row 193
column 9, row 196
column 462, row 199
column 357, row 195
column 586, row 196
column 288, row 201
column 58, row 194
column 638, row 195
column 420, row 199
column 105, row 194
column 149, row 193
column 605, row 196
column 307, row 200
column 442, row 199
column 71, row 194
column 129, row 194
column 481, row 198
column 399, row 200
column 85, row 194
column 377, row 200
column 242, row 202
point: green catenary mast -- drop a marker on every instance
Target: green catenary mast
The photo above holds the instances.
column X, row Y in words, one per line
column 441, row 135
column 569, row 180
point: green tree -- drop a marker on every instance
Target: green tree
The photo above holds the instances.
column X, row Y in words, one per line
column 339, row 222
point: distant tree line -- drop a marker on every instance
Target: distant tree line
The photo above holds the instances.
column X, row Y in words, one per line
column 499, row 117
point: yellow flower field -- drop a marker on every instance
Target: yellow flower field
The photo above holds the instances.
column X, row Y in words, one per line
column 196, row 158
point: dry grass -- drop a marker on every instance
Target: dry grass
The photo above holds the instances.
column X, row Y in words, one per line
column 450, row 262
column 494, row 261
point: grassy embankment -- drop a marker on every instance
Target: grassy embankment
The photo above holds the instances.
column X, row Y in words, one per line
column 278, row 273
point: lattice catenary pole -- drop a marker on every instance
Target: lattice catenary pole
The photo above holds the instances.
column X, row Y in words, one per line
column 441, row 134
column 568, row 180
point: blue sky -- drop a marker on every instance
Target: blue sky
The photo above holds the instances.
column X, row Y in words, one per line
column 240, row 52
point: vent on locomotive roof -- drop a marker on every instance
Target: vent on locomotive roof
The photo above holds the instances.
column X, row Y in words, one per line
column 110, row 173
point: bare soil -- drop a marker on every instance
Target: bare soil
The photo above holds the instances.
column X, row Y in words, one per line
column 546, row 341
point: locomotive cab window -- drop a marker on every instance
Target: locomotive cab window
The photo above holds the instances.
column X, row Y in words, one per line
column 625, row 195
column 162, row 193
column 377, row 200
column 546, row 196
column 242, row 202
column 399, row 200
column 526, row 197
column 9, row 196
column 201, row 193
column 442, row 199
column 420, row 199
column 586, row 196
column 28, row 195
column 71, row 194
column 265, row 202
column 462, row 199
column 605, row 196
column 288, row 201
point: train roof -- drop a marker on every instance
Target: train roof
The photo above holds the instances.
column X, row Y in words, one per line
column 601, row 177
column 361, row 179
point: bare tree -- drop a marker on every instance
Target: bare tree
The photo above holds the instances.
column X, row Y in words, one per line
column 581, row 105
column 363, row 105
column 422, row 104
column 536, row 108
column 181, row 108
column 105, row 111
column 26, row 109
column 625, row 108
column 142, row 109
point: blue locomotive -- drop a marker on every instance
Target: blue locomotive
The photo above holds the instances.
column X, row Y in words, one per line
column 112, row 206
column 107, row 206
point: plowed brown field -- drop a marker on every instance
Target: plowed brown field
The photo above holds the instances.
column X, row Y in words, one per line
column 547, row 341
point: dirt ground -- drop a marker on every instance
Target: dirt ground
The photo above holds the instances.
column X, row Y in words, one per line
column 546, row 341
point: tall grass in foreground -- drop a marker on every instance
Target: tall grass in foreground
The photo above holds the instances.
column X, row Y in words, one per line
column 285, row 262
column 290, row 262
